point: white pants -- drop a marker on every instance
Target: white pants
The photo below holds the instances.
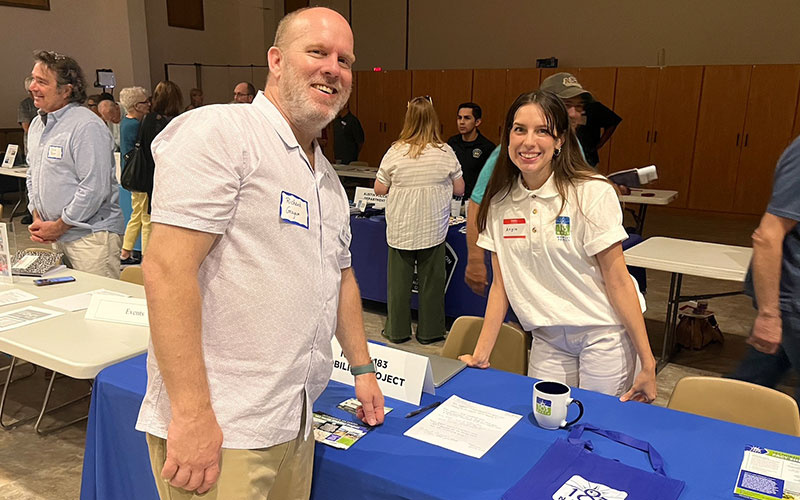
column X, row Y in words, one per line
column 600, row 359
column 97, row 253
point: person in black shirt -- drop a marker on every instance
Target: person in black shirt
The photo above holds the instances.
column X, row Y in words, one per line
column 598, row 117
column 471, row 147
column 348, row 136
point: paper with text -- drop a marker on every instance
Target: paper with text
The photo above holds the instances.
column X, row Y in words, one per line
column 128, row 310
column 464, row 427
column 15, row 295
column 80, row 301
column 25, row 316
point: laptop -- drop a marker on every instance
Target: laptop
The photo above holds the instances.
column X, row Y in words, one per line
column 444, row 368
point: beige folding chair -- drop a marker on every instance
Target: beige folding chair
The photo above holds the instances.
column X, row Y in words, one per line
column 132, row 274
column 738, row 402
column 510, row 352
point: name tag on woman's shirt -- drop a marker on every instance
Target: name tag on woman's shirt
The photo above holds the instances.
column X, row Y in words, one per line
column 294, row 209
column 513, row 228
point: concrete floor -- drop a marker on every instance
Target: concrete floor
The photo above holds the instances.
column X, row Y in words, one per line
column 33, row 467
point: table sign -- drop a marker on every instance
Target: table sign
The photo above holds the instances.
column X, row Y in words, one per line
column 369, row 195
column 401, row 375
column 128, row 310
column 11, row 154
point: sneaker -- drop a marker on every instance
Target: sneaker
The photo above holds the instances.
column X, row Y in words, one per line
column 130, row 261
column 429, row 341
column 393, row 341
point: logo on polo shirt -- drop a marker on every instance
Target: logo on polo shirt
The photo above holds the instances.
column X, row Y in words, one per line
column 476, row 153
column 562, row 228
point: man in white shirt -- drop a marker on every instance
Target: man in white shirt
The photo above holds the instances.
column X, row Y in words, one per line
column 248, row 277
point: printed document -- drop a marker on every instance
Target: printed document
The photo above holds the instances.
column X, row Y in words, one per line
column 464, row 427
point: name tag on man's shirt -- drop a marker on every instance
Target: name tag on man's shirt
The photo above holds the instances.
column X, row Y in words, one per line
column 55, row 152
column 513, row 228
column 294, row 209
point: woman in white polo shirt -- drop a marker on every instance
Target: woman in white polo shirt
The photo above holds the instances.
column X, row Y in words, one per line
column 420, row 173
column 554, row 227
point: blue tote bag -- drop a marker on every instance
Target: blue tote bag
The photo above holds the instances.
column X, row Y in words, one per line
column 570, row 471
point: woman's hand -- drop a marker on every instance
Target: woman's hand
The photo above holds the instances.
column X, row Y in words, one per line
column 644, row 388
column 474, row 362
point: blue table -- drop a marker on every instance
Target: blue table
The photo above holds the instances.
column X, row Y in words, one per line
column 385, row 464
column 370, row 255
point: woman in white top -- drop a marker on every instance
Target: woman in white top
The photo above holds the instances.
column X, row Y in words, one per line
column 420, row 173
column 554, row 227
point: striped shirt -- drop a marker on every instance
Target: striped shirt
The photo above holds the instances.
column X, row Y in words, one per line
column 420, row 190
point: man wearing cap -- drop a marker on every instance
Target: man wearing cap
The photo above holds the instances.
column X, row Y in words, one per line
column 574, row 96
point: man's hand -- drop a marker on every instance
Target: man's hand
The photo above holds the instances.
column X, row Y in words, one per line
column 371, row 398
column 766, row 334
column 193, row 452
column 47, row 231
column 475, row 276
column 644, row 387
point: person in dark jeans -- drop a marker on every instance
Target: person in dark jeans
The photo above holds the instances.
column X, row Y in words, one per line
column 774, row 281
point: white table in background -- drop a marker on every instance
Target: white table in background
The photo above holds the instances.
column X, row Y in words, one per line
column 644, row 198
column 69, row 344
column 695, row 258
column 359, row 171
column 20, row 173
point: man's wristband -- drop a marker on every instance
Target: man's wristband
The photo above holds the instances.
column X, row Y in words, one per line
column 362, row 369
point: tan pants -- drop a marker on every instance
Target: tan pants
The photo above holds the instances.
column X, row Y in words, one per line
column 280, row 472
column 97, row 253
column 140, row 219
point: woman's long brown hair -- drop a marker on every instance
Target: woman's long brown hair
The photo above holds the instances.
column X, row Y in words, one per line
column 420, row 127
column 568, row 167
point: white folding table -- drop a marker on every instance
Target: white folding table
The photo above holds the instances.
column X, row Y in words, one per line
column 359, row 171
column 695, row 258
column 68, row 344
column 20, row 173
column 644, row 198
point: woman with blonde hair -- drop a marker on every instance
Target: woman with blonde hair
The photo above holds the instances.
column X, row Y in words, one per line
column 135, row 102
column 420, row 173
column 554, row 228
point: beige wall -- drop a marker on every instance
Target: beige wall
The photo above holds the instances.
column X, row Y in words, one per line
column 236, row 32
column 97, row 33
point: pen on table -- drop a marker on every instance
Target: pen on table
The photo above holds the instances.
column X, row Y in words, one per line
column 423, row 409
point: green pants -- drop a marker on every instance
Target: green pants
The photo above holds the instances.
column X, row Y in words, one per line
column 431, row 276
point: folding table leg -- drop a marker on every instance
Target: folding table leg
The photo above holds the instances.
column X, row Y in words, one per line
column 673, row 300
column 33, row 370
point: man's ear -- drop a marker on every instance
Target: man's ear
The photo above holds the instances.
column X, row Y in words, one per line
column 274, row 60
column 478, row 122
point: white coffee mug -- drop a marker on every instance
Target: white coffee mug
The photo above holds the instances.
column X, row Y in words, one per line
column 550, row 403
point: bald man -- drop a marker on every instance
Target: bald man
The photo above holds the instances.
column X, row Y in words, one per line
column 246, row 292
column 244, row 93
column 110, row 113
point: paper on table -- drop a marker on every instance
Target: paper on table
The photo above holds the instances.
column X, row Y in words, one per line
column 80, row 301
column 464, row 427
column 15, row 295
column 25, row 316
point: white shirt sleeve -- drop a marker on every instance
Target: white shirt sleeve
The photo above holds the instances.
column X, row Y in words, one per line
column 384, row 175
column 603, row 217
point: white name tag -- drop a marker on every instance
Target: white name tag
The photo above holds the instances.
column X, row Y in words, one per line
column 401, row 375
column 126, row 310
column 55, row 152
column 294, row 209
column 513, row 228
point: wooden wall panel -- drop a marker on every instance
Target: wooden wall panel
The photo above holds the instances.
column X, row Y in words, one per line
column 488, row 91
column 634, row 101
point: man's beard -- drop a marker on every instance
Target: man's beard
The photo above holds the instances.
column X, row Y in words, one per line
column 302, row 110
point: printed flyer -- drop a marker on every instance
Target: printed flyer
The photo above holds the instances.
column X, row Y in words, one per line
column 337, row 432
column 768, row 475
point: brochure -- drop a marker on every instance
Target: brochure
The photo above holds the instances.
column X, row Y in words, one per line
column 768, row 474
column 337, row 432
column 352, row 405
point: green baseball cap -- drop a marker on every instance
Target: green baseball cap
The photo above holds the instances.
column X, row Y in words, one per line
column 565, row 86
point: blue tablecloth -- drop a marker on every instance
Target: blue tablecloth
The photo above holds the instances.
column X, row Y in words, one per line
column 370, row 256
column 385, row 464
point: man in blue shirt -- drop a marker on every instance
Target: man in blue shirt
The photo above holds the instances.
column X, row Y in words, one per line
column 71, row 181
column 774, row 281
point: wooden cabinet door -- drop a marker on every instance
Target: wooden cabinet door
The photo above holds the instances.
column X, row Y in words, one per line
column 519, row 81
column 720, row 126
column 448, row 88
column 634, row 102
column 396, row 94
column 674, row 128
column 370, row 114
column 488, row 92
column 601, row 82
column 767, row 130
